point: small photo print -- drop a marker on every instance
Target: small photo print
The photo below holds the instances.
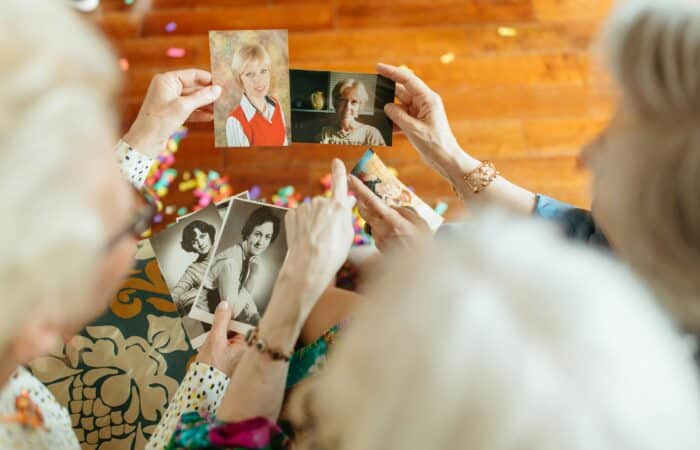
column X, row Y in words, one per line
column 221, row 207
column 245, row 264
column 343, row 108
column 183, row 252
column 252, row 67
column 372, row 171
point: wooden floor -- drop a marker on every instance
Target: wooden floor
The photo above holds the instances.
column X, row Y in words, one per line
column 527, row 101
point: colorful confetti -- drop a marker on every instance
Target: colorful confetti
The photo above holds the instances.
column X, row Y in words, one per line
column 123, row 64
column 447, row 58
column 507, row 32
column 176, row 52
column 170, row 27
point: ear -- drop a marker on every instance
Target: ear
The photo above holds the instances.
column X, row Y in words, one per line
column 38, row 337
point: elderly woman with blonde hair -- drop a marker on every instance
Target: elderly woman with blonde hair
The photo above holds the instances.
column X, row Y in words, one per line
column 645, row 164
column 349, row 97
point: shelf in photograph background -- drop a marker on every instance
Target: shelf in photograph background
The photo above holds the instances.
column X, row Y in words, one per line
column 326, row 111
column 313, row 110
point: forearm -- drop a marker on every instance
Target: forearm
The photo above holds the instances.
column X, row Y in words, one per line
column 258, row 384
column 501, row 191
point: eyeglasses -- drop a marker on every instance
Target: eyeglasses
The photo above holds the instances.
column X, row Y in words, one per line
column 137, row 225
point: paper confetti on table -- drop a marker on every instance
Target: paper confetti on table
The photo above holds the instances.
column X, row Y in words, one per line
column 507, row 32
column 170, row 27
column 447, row 58
column 176, row 52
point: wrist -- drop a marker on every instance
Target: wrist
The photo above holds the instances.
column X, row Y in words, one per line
column 144, row 138
column 457, row 165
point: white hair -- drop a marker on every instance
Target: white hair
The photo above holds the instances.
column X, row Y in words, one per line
column 508, row 337
column 57, row 82
column 653, row 50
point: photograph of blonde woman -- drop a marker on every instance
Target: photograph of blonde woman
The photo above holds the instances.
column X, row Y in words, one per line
column 252, row 68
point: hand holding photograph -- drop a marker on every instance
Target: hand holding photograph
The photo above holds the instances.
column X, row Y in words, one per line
column 252, row 67
column 372, row 171
column 245, row 264
column 341, row 108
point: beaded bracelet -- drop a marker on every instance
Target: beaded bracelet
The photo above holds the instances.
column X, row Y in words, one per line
column 252, row 338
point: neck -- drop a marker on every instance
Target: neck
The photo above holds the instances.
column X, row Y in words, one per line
column 259, row 102
column 7, row 369
column 347, row 125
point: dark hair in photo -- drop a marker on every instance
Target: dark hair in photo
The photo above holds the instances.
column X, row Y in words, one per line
column 188, row 234
column 259, row 217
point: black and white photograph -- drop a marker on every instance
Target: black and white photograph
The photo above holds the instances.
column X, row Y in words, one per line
column 246, row 261
column 343, row 108
column 183, row 252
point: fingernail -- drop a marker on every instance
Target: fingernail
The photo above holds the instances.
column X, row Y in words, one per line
column 222, row 305
column 216, row 90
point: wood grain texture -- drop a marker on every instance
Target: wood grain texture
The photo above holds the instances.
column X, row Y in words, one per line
column 527, row 101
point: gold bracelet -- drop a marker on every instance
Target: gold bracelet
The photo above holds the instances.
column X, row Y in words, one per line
column 252, row 338
column 480, row 178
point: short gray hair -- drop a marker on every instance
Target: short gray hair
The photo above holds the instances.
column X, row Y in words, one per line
column 653, row 50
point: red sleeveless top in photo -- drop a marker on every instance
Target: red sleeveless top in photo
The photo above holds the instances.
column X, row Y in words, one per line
column 258, row 130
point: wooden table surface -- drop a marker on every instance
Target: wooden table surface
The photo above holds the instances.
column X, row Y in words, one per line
column 527, row 102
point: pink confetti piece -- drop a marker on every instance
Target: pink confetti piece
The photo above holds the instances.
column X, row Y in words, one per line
column 175, row 52
column 123, row 64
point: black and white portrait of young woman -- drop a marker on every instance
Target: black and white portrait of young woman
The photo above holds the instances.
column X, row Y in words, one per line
column 183, row 252
column 245, row 264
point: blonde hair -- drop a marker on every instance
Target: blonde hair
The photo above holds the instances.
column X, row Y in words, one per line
column 342, row 88
column 244, row 55
column 56, row 111
column 470, row 345
column 653, row 50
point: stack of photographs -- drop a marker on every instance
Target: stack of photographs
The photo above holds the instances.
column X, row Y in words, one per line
column 230, row 251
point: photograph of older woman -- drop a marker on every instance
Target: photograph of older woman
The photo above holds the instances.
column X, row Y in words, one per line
column 340, row 108
column 349, row 96
column 246, row 262
column 250, row 111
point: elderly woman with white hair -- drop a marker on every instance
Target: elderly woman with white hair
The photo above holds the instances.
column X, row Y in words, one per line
column 645, row 165
column 473, row 350
column 349, row 97
column 70, row 240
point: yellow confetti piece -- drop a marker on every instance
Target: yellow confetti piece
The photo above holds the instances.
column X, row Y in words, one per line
column 507, row 32
column 447, row 58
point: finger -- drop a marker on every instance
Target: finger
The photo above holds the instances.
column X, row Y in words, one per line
column 290, row 224
column 189, row 78
column 339, row 181
column 222, row 315
column 236, row 340
column 201, row 116
column 200, row 98
column 367, row 200
column 403, row 95
column 411, row 82
column 400, row 116
column 411, row 215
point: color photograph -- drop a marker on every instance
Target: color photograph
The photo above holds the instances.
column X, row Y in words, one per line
column 252, row 67
column 342, row 108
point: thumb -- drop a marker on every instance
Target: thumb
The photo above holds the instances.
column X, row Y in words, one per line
column 399, row 115
column 222, row 315
column 201, row 97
